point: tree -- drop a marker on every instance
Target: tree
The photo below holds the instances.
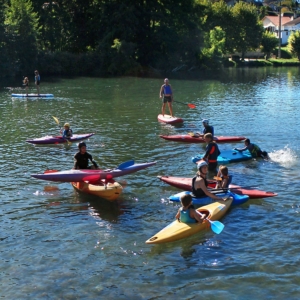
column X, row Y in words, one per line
column 294, row 43
column 22, row 26
column 249, row 30
column 268, row 43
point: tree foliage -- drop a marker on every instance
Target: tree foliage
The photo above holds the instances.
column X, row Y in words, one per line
column 268, row 43
column 294, row 43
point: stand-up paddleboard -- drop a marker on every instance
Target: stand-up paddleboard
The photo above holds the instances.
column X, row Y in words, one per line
column 32, row 95
column 227, row 156
column 185, row 184
column 59, row 139
column 168, row 119
column 185, row 138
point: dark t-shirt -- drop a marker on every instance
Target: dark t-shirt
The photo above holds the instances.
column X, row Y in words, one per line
column 82, row 160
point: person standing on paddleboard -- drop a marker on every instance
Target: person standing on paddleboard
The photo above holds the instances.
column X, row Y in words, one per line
column 26, row 83
column 37, row 79
column 81, row 158
column 166, row 93
column 212, row 152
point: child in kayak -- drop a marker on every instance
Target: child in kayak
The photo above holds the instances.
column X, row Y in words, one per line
column 207, row 129
column 212, row 152
column 253, row 149
column 223, row 179
column 67, row 132
column 187, row 213
column 199, row 183
column 82, row 158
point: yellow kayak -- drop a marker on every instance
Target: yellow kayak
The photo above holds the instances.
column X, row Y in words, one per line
column 110, row 191
column 178, row 230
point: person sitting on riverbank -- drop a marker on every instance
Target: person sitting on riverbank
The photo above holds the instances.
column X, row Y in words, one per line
column 81, row 158
column 253, row 149
column 207, row 129
column 223, row 178
column 187, row 213
column 199, row 183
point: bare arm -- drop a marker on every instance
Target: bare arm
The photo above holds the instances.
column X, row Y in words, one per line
column 178, row 214
column 200, row 185
column 197, row 215
column 241, row 149
column 161, row 91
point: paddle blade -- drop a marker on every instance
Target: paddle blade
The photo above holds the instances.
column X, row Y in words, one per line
column 56, row 120
column 191, row 105
column 126, row 164
column 216, row 226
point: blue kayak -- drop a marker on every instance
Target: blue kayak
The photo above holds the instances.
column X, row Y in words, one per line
column 32, row 95
column 237, row 199
column 227, row 156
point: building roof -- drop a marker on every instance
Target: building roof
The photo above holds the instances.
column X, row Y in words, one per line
column 275, row 20
column 293, row 22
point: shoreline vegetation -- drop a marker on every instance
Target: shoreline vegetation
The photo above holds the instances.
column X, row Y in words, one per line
column 132, row 38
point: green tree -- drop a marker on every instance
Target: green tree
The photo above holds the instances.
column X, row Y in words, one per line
column 23, row 29
column 249, row 30
column 268, row 43
column 294, row 43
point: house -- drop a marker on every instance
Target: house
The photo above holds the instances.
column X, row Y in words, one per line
column 288, row 25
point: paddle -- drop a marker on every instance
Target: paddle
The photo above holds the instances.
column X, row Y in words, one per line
column 57, row 122
column 216, row 226
column 190, row 105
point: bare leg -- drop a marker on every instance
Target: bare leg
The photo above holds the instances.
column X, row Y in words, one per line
column 170, row 108
column 26, row 90
column 163, row 109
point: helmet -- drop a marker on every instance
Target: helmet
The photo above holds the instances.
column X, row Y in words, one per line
column 81, row 144
column 67, row 125
column 205, row 121
column 201, row 164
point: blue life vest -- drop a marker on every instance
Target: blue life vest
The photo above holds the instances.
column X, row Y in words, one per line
column 185, row 216
column 167, row 90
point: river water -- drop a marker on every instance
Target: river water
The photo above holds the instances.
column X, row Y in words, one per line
column 63, row 245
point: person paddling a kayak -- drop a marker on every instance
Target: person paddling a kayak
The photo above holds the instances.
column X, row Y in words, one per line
column 199, row 183
column 187, row 213
column 67, row 132
column 82, row 158
column 253, row 149
column 166, row 93
column 207, row 129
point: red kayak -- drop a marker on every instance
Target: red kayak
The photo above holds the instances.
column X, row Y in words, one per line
column 192, row 139
column 186, row 185
column 168, row 119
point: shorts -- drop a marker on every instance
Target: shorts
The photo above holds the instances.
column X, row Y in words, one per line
column 37, row 82
column 167, row 99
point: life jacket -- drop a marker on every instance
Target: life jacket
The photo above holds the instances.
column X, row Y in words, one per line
column 198, row 193
column 214, row 152
column 255, row 150
column 185, row 216
column 167, row 90
column 229, row 180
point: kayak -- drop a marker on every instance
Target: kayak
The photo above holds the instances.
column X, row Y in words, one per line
column 33, row 95
column 178, row 230
column 109, row 191
column 228, row 156
column 90, row 175
column 186, row 185
column 49, row 139
column 237, row 199
column 168, row 119
column 191, row 139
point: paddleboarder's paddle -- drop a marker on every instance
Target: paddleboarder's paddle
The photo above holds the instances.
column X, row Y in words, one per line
column 216, row 226
column 190, row 105
column 57, row 122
